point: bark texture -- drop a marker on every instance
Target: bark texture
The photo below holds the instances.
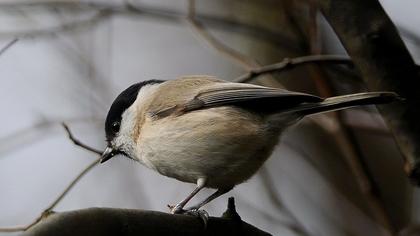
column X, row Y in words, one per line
column 111, row 221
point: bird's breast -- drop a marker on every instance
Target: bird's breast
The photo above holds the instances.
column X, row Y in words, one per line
column 224, row 145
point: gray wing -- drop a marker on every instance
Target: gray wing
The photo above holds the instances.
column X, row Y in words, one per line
column 247, row 96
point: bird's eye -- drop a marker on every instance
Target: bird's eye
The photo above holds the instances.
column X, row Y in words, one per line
column 115, row 126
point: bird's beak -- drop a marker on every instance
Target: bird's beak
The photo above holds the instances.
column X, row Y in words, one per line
column 107, row 154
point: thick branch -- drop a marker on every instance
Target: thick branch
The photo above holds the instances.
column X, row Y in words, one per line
column 377, row 50
column 108, row 221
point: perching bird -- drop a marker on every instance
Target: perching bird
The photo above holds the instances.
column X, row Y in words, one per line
column 203, row 130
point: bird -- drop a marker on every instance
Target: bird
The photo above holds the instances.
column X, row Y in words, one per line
column 210, row 132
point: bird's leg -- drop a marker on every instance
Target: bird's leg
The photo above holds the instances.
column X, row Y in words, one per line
column 178, row 208
column 215, row 195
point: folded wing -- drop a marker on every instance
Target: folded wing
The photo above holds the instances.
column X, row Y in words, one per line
column 258, row 98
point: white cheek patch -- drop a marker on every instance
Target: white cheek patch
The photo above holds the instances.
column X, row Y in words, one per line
column 124, row 140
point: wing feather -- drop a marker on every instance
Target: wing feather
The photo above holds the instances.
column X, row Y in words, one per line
column 248, row 96
column 202, row 93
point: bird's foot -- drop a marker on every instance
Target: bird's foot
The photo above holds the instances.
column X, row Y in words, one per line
column 191, row 211
column 176, row 209
column 202, row 214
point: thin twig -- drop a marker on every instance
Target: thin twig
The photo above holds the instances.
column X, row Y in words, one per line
column 314, row 34
column 139, row 10
column 247, row 63
column 77, row 142
column 51, row 31
column 31, row 134
column 71, row 185
column 268, row 183
column 244, row 61
column 344, row 136
column 227, row 52
column 289, row 63
column 312, row 163
column 239, row 58
column 8, row 45
column 392, row 68
column 253, row 68
column 49, row 210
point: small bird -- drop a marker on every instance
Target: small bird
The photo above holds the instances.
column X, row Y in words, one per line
column 207, row 131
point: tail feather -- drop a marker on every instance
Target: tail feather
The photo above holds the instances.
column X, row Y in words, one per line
column 346, row 101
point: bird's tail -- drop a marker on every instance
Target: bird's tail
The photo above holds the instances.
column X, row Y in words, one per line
column 346, row 101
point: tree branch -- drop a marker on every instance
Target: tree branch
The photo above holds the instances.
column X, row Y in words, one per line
column 51, row 31
column 344, row 136
column 239, row 58
column 8, row 45
column 49, row 210
column 109, row 221
column 385, row 63
column 289, row 63
column 269, row 184
column 140, row 10
column 78, row 143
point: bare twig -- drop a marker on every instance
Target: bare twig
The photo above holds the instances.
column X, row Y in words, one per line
column 71, row 185
column 78, row 143
column 268, row 183
column 253, row 68
column 344, row 135
column 34, row 133
column 314, row 34
column 341, row 133
column 49, row 210
column 239, row 58
column 233, row 55
column 8, row 45
column 138, row 10
column 309, row 158
column 51, row 31
column 221, row 48
column 354, row 158
column 289, row 63
column 385, row 63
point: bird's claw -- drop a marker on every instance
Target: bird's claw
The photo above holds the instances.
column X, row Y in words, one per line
column 176, row 209
column 202, row 214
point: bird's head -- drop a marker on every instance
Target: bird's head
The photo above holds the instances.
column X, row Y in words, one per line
column 121, row 121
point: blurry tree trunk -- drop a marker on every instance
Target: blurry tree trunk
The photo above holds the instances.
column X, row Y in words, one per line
column 376, row 48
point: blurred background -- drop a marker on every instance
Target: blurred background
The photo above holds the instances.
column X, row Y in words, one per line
column 336, row 174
